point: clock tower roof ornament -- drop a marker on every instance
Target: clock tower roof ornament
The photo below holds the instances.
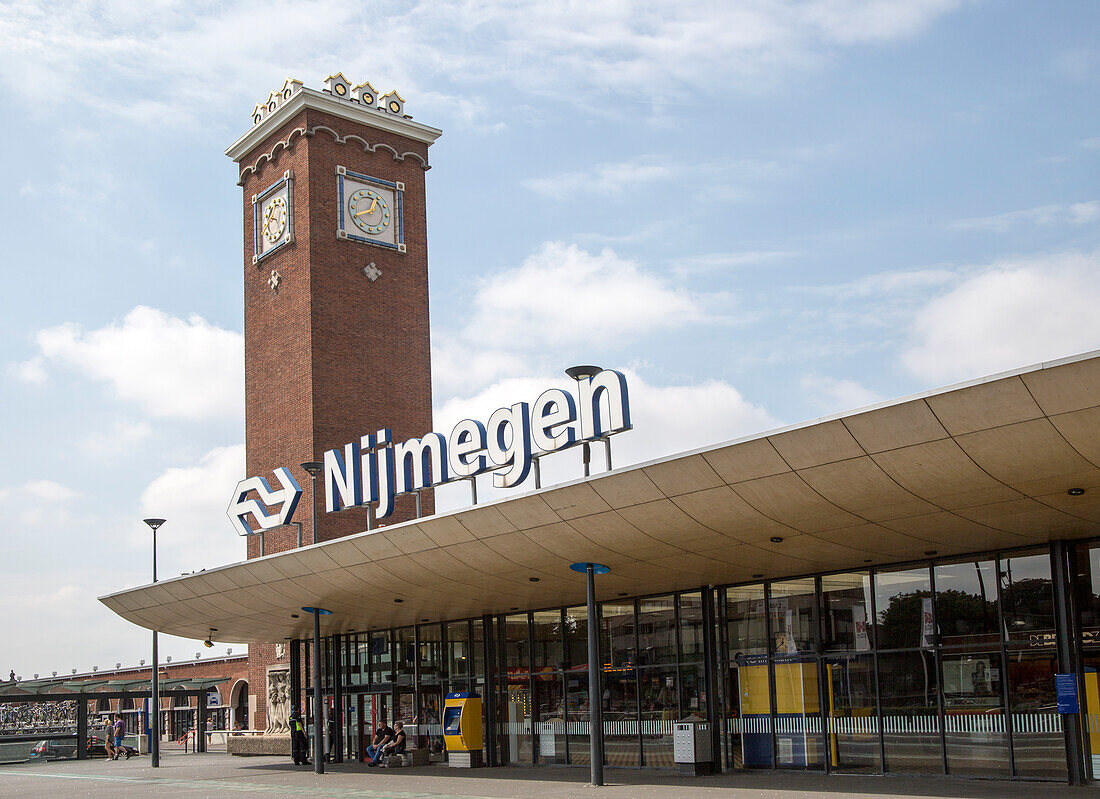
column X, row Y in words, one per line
column 359, row 103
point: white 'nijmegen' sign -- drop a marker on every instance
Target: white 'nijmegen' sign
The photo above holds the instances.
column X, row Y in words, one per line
column 375, row 469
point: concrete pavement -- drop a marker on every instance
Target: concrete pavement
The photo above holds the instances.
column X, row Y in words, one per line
column 218, row 775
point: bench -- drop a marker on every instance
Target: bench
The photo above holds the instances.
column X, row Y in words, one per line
column 410, row 757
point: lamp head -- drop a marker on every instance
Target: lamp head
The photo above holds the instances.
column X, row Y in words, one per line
column 154, row 523
column 583, row 372
column 313, row 467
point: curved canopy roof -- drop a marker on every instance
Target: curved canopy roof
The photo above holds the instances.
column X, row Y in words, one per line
column 981, row 466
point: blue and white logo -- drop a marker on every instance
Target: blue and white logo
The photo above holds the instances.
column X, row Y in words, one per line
column 285, row 499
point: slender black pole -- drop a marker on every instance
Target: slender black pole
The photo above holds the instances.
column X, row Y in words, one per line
column 318, row 720
column 154, row 700
column 595, row 701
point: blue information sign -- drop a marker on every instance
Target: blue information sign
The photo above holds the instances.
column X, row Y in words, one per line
column 1065, row 687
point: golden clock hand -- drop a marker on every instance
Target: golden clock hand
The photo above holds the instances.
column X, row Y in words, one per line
column 370, row 210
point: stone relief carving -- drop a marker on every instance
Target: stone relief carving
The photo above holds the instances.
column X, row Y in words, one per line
column 278, row 702
column 280, row 651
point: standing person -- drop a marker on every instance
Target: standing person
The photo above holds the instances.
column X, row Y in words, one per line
column 108, row 737
column 382, row 736
column 120, row 737
column 11, row 677
column 299, row 744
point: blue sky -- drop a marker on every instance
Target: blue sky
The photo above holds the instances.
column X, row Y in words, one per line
column 765, row 211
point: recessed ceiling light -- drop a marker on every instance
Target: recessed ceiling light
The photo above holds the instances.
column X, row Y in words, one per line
column 1076, row 492
column 777, row 539
column 293, row 615
column 533, row 579
column 515, row 608
column 931, row 552
column 425, row 619
column 757, row 576
column 622, row 593
column 866, row 560
column 399, row 601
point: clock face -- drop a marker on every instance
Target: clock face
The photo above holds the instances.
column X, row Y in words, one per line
column 370, row 210
column 273, row 217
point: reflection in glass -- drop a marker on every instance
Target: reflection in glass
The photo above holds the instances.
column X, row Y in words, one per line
column 974, row 719
column 550, row 725
column 1087, row 563
column 847, row 602
column 853, row 728
column 903, row 602
column 431, row 654
column 660, row 709
column 620, row 716
column 515, row 727
column 797, row 712
column 381, row 662
column 547, row 639
column 429, row 724
column 405, row 657
column 1028, row 600
column 458, row 652
column 966, row 604
column 910, row 712
column 691, row 627
column 794, row 616
column 1038, row 745
column 576, row 638
column 657, row 630
column 751, row 728
column 517, row 657
column 747, row 634
column 577, row 719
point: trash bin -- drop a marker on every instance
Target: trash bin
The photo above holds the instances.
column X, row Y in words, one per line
column 691, row 747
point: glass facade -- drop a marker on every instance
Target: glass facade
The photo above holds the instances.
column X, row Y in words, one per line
column 940, row 667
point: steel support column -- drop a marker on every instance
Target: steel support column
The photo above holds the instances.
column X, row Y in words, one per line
column 595, row 698
column 82, row 729
column 1064, row 631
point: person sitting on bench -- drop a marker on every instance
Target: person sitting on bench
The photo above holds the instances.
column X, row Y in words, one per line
column 382, row 736
column 397, row 745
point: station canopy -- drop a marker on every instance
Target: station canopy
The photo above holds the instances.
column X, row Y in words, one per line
column 75, row 689
column 976, row 467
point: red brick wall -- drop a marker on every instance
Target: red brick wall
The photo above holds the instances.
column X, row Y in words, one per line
column 331, row 356
column 231, row 668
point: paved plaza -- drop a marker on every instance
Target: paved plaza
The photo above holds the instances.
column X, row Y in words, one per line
column 215, row 775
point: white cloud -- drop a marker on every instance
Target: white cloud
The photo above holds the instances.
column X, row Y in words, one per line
column 1043, row 215
column 193, row 499
column 49, row 490
column 184, row 60
column 1009, row 314
column 880, row 284
column 835, row 395
column 563, row 295
column 666, row 419
column 176, row 368
column 604, row 180
column 31, row 371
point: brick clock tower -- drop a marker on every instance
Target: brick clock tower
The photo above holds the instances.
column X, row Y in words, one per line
column 335, row 296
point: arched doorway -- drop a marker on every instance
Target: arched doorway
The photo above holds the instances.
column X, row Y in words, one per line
column 238, row 702
column 101, row 718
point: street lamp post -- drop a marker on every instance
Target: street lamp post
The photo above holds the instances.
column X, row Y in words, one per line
column 318, row 722
column 313, row 468
column 580, row 373
column 154, row 700
column 595, row 699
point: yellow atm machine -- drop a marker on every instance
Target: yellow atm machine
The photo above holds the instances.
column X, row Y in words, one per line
column 462, row 731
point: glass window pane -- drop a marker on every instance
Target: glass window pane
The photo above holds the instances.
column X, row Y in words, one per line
column 515, row 727
column 1088, row 594
column 747, row 633
column 458, row 649
column 617, row 649
column 660, row 708
column 966, row 604
column 903, row 601
column 794, row 616
column 576, row 638
column 1028, row 601
column 550, row 724
column 548, row 640
column 517, row 657
column 974, row 717
column 847, row 602
column 405, row 656
column 1038, row 745
column 910, row 712
column 657, row 631
column 381, row 661
column 477, row 647
column 853, row 721
column 750, row 722
column 797, row 712
column 431, row 654
column 620, row 711
column 691, row 626
column 577, row 710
